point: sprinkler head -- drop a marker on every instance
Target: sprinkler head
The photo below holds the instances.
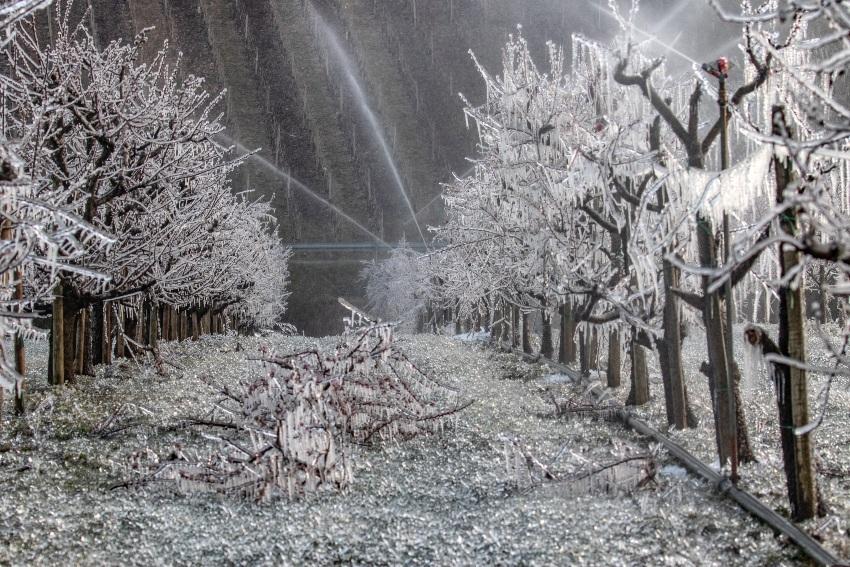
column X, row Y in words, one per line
column 719, row 68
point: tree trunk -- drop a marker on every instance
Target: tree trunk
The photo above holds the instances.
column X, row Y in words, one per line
column 70, row 336
column 567, row 344
column 184, row 325
column 196, row 326
column 526, row 333
column 593, row 350
column 794, row 403
column 108, row 331
column 670, row 353
column 639, row 393
column 719, row 365
column 515, row 323
column 121, row 326
column 614, row 365
column 745, row 451
column 583, row 354
column 98, row 331
column 206, row 328
column 140, row 329
column 20, row 351
column 80, row 350
column 57, row 342
column 165, row 317
column 175, row 324
column 153, row 325
column 547, row 348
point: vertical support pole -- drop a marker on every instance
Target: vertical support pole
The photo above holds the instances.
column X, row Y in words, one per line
column 526, row 333
column 729, row 301
column 792, row 381
column 547, row 349
column 614, row 371
column 57, row 337
column 108, row 324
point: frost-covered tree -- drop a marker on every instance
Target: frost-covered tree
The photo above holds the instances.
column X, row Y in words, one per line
column 563, row 198
column 695, row 149
column 397, row 286
column 129, row 147
column 807, row 133
column 35, row 233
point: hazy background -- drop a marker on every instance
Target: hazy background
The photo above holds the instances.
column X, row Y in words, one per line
column 292, row 94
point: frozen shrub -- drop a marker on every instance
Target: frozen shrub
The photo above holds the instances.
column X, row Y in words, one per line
column 290, row 431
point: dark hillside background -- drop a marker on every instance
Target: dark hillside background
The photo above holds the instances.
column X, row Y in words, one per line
column 287, row 94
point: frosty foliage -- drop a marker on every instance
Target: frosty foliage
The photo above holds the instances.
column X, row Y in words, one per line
column 397, row 286
column 808, row 128
column 36, row 233
column 566, row 203
column 582, row 187
column 13, row 11
column 291, row 431
column 120, row 190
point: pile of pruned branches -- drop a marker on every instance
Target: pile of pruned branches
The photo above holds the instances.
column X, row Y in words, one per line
column 290, row 430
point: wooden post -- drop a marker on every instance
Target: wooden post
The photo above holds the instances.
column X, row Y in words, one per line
column 794, row 404
column 547, row 348
column 57, row 334
column 639, row 393
column 719, row 367
column 526, row 333
column 614, row 371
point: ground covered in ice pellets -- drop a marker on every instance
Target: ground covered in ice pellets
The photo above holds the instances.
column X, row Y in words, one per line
column 449, row 499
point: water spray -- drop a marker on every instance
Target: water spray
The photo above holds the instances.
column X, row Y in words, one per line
column 651, row 37
column 347, row 67
column 302, row 187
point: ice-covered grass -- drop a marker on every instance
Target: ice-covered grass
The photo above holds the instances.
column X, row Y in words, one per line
column 479, row 336
column 442, row 499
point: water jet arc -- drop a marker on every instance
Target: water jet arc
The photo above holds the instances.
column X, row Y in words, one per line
column 253, row 156
column 347, row 67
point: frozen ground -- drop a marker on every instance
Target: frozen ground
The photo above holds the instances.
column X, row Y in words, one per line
column 446, row 500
